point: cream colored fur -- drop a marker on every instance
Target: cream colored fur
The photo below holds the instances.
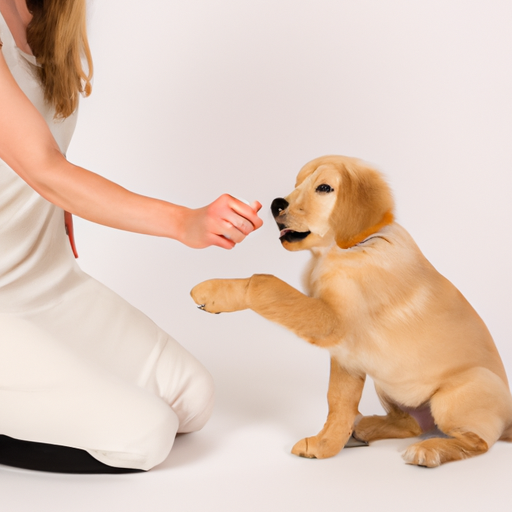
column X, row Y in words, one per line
column 381, row 309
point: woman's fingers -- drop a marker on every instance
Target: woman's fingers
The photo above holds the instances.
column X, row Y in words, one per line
column 223, row 242
column 224, row 223
column 256, row 206
column 233, row 219
column 246, row 212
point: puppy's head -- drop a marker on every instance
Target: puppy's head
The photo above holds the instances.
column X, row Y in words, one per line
column 336, row 199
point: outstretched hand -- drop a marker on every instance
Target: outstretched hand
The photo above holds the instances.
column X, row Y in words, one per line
column 224, row 223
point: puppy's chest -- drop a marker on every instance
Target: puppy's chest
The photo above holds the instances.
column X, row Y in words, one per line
column 363, row 355
column 338, row 281
column 326, row 274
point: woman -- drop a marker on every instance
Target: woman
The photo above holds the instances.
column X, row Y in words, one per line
column 87, row 382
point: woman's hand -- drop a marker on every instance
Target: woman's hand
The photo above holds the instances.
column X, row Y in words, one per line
column 224, row 223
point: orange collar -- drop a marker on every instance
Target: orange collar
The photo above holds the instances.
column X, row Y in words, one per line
column 387, row 219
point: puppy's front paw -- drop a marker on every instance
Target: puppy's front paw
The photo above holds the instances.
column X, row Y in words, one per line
column 317, row 448
column 220, row 295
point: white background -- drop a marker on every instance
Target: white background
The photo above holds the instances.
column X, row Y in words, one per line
column 193, row 98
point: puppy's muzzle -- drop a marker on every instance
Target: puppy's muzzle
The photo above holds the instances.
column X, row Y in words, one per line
column 286, row 234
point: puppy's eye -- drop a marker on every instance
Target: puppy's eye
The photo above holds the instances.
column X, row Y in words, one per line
column 324, row 188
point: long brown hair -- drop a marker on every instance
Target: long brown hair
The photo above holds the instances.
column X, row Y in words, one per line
column 58, row 39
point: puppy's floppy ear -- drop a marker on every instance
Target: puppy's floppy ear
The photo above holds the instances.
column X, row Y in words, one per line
column 364, row 204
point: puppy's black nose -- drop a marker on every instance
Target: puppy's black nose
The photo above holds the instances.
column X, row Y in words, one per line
column 278, row 205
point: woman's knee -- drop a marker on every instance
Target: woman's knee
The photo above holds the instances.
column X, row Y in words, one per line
column 160, row 438
column 186, row 385
column 197, row 404
column 145, row 443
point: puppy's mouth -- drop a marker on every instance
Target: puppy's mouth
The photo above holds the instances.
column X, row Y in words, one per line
column 289, row 235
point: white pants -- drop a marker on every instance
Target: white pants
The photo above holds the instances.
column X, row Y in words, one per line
column 121, row 396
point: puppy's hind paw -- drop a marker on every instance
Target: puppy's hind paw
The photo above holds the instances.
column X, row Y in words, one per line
column 438, row 450
column 419, row 454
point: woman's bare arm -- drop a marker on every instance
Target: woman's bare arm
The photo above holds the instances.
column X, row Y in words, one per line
column 28, row 147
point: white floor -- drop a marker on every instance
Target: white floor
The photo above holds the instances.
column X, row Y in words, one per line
column 241, row 460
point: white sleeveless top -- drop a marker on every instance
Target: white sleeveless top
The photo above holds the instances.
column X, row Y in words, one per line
column 36, row 261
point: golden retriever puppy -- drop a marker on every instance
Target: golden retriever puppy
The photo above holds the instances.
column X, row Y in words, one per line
column 381, row 309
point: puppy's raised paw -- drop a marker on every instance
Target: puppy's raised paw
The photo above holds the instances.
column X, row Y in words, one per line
column 220, row 295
